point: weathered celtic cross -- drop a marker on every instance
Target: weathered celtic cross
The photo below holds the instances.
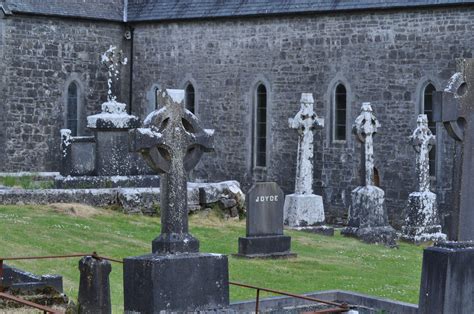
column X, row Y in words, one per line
column 172, row 143
column 455, row 108
column 423, row 140
column 112, row 59
column 365, row 126
column 305, row 122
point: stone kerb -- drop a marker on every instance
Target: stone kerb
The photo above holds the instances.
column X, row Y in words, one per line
column 368, row 218
column 303, row 208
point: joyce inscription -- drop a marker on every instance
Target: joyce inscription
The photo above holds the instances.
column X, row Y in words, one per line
column 267, row 198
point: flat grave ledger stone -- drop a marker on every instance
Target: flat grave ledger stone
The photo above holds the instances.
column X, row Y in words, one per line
column 264, row 232
column 455, row 108
column 175, row 277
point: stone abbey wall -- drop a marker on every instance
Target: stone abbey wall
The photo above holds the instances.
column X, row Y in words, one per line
column 41, row 57
column 385, row 57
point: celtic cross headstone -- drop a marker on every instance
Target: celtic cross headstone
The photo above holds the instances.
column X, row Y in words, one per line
column 421, row 222
column 172, row 142
column 455, row 108
column 303, row 208
column 368, row 219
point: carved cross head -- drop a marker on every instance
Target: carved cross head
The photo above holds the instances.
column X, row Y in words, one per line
column 366, row 124
column 112, row 59
column 306, row 119
column 455, row 105
column 422, row 135
column 171, row 137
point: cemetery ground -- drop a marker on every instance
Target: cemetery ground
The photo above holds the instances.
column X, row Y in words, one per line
column 323, row 263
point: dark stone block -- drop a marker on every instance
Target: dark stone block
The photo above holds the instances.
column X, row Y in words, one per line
column 447, row 279
column 378, row 235
column 266, row 246
column 175, row 282
column 265, row 209
column 94, row 286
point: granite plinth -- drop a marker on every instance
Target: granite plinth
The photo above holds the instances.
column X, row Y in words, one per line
column 265, row 246
column 303, row 210
column 175, row 282
column 447, row 279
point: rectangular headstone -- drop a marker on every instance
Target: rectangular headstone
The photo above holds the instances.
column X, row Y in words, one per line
column 265, row 209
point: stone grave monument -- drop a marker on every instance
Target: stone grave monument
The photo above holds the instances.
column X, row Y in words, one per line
column 422, row 222
column 447, row 279
column 95, row 160
column 455, row 108
column 175, row 277
column 368, row 219
column 265, row 224
column 303, row 209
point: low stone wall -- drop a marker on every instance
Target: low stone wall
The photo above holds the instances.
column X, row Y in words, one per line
column 226, row 195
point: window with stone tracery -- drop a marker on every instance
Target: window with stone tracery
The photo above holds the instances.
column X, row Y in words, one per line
column 339, row 113
column 260, row 133
column 72, row 110
column 190, row 98
column 428, row 110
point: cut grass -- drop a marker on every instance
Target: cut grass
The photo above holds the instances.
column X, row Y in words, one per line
column 323, row 262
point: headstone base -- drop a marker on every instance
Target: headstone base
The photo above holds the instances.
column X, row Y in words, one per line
column 447, row 278
column 322, row 230
column 170, row 243
column 385, row 235
column 277, row 246
column 303, row 210
column 421, row 222
column 175, row 282
column 419, row 235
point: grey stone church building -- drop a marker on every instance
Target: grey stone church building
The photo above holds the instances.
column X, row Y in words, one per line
column 244, row 65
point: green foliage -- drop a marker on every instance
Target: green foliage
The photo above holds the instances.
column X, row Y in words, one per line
column 26, row 182
column 323, row 263
column 8, row 181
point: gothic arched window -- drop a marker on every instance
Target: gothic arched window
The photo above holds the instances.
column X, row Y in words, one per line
column 190, row 98
column 72, row 109
column 340, row 109
column 428, row 110
column 260, row 136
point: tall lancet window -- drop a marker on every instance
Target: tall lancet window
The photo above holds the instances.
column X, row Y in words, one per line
column 72, row 108
column 428, row 110
column 340, row 109
column 260, row 140
column 190, row 98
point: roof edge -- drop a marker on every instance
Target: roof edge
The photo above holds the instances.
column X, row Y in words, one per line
column 305, row 12
column 6, row 10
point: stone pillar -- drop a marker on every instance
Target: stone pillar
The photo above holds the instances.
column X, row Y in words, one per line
column 368, row 219
column 94, row 286
column 421, row 223
column 447, row 279
column 303, row 208
column 175, row 277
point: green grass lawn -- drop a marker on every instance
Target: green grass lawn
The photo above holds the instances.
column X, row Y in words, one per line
column 323, row 262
